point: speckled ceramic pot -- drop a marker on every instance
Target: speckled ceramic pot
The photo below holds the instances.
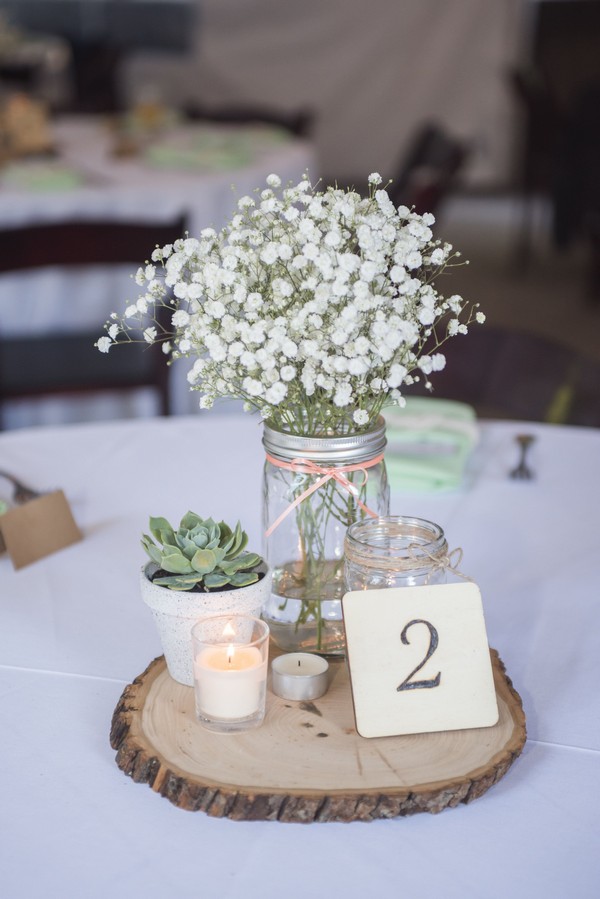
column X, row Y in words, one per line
column 176, row 612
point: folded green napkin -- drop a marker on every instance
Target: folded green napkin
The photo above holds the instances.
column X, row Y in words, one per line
column 261, row 136
column 429, row 442
column 41, row 176
column 214, row 158
column 213, row 148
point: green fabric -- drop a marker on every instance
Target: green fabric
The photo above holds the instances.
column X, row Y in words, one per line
column 197, row 158
column 40, row 176
column 429, row 443
column 214, row 148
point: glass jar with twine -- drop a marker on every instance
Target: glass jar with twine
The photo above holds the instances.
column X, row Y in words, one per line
column 398, row 551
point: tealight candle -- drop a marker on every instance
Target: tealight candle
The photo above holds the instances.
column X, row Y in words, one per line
column 299, row 675
column 230, row 672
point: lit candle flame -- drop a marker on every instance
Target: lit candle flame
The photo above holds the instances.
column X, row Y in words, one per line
column 229, row 631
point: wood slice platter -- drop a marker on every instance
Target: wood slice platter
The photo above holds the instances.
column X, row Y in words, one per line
column 306, row 762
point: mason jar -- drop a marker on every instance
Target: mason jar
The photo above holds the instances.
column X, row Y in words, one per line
column 314, row 489
column 394, row 551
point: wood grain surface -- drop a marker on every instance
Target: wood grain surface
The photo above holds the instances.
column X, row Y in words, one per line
column 306, row 762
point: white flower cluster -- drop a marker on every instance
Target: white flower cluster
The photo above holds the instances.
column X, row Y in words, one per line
column 314, row 307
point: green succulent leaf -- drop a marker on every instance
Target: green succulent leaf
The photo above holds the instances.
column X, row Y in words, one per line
column 219, row 555
column 179, row 582
column 243, row 578
column 204, row 561
column 200, row 538
column 187, row 546
column 240, row 539
column 250, row 559
column 237, row 538
column 160, row 526
column 176, row 563
column 215, row 579
column 167, row 538
column 226, row 546
column 200, row 551
column 246, row 560
column 226, row 532
column 180, row 540
column 152, row 549
column 189, row 521
column 243, row 542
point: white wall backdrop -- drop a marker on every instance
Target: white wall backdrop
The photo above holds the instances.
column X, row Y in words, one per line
column 372, row 71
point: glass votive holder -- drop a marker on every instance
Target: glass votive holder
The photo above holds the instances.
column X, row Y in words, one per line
column 395, row 551
column 230, row 672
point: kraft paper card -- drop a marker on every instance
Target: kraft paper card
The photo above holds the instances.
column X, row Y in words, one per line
column 38, row 528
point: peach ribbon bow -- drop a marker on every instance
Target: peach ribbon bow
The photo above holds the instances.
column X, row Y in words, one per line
column 325, row 473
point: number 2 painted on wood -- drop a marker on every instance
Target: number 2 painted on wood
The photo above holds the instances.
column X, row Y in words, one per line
column 407, row 684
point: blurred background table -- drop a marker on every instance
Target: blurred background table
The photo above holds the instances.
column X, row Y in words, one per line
column 187, row 169
column 504, row 92
column 183, row 167
column 74, row 632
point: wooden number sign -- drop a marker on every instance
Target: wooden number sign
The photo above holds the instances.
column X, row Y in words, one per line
column 419, row 660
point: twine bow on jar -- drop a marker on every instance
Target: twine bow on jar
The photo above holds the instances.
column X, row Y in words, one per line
column 440, row 562
column 398, row 551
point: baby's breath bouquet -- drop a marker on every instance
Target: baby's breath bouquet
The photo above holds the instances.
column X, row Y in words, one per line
column 314, row 307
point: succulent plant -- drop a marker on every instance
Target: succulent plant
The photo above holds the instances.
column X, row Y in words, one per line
column 201, row 551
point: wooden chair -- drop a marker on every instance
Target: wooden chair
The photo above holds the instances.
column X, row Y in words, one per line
column 540, row 127
column 299, row 123
column 514, row 375
column 69, row 363
column 429, row 170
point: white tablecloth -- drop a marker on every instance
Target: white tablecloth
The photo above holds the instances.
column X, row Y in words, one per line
column 74, row 632
column 131, row 189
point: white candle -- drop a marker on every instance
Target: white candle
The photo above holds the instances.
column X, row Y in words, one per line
column 299, row 676
column 230, row 681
